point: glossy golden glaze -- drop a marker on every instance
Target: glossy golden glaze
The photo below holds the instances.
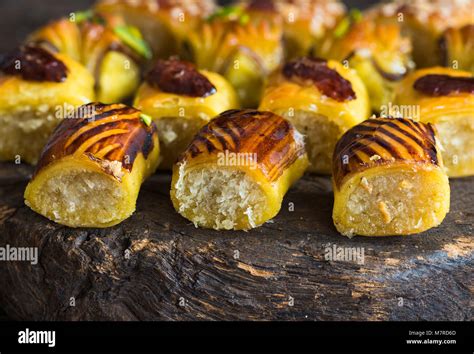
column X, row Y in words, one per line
column 304, row 21
column 275, row 142
column 384, row 141
column 383, row 43
column 101, row 132
column 86, row 42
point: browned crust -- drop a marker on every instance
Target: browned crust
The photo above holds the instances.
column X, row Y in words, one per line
column 275, row 142
column 316, row 71
column 444, row 85
column 384, row 141
column 179, row 77
column 34, row 64
column 103, row 133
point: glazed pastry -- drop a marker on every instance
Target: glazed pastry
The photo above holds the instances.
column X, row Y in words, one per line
column 444, row 97
column 182, row 99
column 424, row 21
column 243, row 51
column 457, row 48
column 162, row 22
column 37, row 90
column 322, row 99
column 237, row 169
column 305, row 22
column 91, row 169
column 388, row 179
column 112, row 51
column 377, row 51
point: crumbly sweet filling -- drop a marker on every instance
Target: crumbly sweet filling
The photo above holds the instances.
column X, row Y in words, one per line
column 320, row 135
column 393, row 203
column 25, row 131
column 457, row 139
column 219, row 198
column 77, row 197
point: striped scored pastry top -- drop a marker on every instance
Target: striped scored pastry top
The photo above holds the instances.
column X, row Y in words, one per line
column 384, row 141
column 273, row 140
column 103, row 133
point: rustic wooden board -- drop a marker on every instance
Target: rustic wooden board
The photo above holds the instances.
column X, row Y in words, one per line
column 156, row 266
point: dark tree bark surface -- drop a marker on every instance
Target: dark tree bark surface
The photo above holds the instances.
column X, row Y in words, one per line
column 157, row 266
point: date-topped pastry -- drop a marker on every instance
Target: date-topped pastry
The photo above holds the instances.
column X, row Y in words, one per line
column 91, row 169
column 444, row 97
column 388, row 179
column 322, row 99
column 237, row 169
column 111, row 50
column 37, row 89
column 182, row 99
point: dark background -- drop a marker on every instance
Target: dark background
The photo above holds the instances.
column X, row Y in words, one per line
column 21, row 17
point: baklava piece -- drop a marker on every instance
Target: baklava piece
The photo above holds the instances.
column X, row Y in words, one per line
column 379, row 53
column 182, row 99
column 388, row 179
column 322, row 99
column 91, row 169
column 424, row 21
column 237, row 169
column 244, row 51
column 305, row 22
column 111, row 50
column 37, row 90
column 163, row 23
column 444, row 97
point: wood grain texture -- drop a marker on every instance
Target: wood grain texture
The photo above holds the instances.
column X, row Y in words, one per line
column 171, row 263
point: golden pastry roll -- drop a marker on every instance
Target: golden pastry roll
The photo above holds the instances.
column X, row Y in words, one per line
column 322, row 99
column 37, row 90
column 237, row 169
column 457, row 48
column 91, row 170
column 305, row 22
column 379, row 53
column 443, row 97
column 110, row 49
column 424, row 21
column 181, row 100
column 245, row 52
column 163, row 22
column 388, row 179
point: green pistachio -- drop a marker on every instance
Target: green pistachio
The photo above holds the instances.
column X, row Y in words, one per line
column 146, row 119
column 132, row 37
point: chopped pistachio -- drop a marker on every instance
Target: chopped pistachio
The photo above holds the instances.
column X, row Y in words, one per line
column 132, row 37
column 146, row 119
column 81, row 16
